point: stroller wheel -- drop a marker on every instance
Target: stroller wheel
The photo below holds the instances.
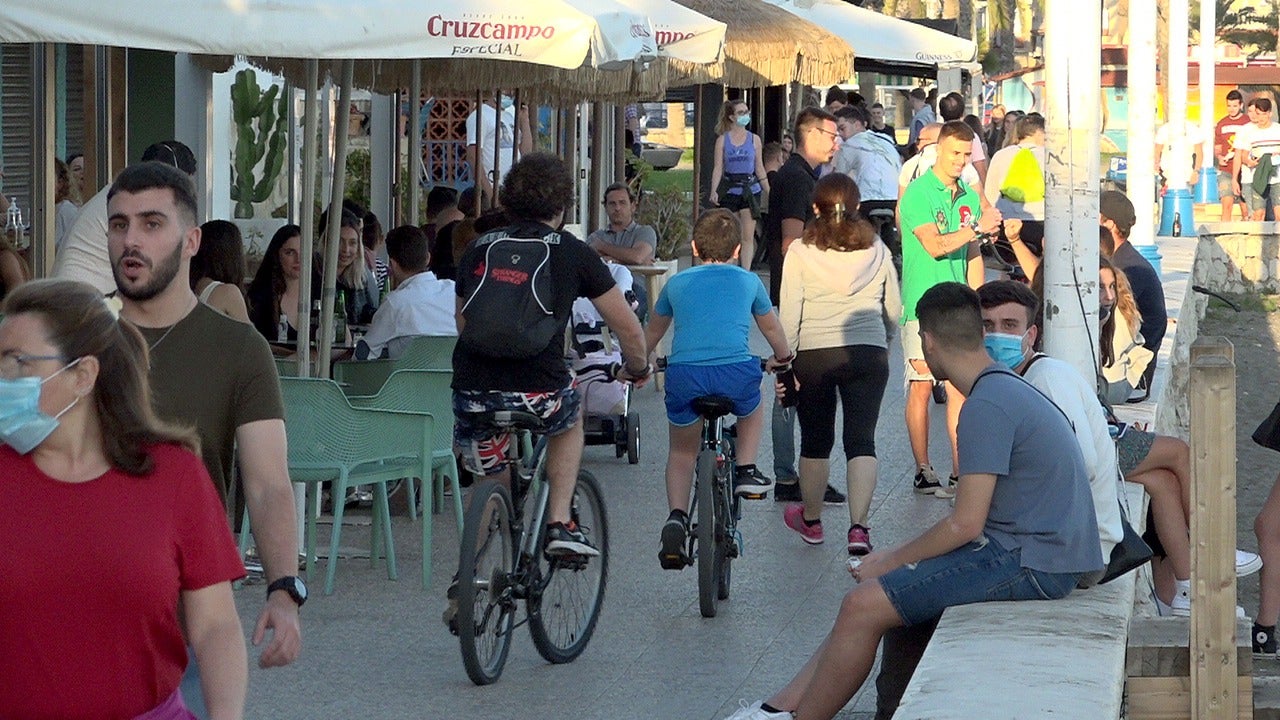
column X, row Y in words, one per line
column 620, row 435
column 633, row 437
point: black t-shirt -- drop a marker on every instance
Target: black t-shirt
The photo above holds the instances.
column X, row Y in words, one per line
column 442, row 252
column 888, row 132
column 1148, row 292
column 790, row 198
column 576, row 271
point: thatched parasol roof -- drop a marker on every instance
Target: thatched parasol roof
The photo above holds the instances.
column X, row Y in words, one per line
column 465, row 77
column 766, row 45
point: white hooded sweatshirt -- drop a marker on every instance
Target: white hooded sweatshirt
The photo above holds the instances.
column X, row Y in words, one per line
column 833, row 298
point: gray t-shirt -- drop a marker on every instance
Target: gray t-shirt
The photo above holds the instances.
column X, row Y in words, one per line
column 1041, row 503
column 626, row 237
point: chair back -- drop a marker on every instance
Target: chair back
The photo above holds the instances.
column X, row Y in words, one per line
column 324, row 430
column 424, row 391
column 428, row 352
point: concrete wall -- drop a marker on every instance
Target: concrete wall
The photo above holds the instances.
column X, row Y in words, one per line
column 1229, row 258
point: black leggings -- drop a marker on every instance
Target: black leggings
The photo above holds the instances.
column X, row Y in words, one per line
column 857, row 374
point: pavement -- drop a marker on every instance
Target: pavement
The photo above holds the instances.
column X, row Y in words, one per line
column 377, row 649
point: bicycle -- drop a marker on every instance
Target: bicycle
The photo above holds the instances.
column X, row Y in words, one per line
column 714, row 539
column 502, row 560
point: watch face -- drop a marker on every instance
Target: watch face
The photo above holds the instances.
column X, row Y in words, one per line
column 300, row 588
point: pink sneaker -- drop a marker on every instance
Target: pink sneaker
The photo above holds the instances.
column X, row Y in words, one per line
column 859, row 540
column 793, row 516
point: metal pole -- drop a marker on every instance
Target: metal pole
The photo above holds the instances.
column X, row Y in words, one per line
column 334, row 227
column 477, row 168
column 1072, row 118
column 40, row 204
column 597, row 184
column 307, row 214
column 1142, row 125
column 494, row 172
column 413, row 173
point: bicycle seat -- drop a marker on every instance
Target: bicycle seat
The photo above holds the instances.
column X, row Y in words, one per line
column 882, row 214
column 506, row 420
column 712, row 406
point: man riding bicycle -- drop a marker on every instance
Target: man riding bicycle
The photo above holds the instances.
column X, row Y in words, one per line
column 502, row 308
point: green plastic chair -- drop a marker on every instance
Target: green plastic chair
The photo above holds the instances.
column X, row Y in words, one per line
column 366, row 377
column 331, row 441
column 286, row 367
column 425, row 391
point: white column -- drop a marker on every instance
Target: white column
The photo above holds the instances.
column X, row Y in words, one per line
column 1073, row 118
column 193, row 125
column 1142, row 120
column 1179, row 34
column 1208, row 74
column 383, row 121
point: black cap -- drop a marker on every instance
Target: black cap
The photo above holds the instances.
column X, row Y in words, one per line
column 1114, row 205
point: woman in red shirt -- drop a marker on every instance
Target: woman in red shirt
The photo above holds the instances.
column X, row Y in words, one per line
column 111, row 527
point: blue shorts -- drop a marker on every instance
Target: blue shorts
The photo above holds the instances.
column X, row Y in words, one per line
column 739, row 382
column 980, row 571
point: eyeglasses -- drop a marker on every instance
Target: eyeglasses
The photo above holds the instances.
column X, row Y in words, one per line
column 826, row 132
column 14, row 365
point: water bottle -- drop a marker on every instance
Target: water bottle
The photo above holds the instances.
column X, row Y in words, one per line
column 790, row 392
column 282, row 328
column 1177, row 224
column 13, row 222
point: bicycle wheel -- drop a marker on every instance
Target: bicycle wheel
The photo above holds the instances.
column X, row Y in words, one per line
column 486, row 607
column 724, row 523
column 565, row 598
column 707, row 534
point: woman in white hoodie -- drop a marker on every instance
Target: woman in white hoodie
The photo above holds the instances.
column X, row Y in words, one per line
column 839, row 307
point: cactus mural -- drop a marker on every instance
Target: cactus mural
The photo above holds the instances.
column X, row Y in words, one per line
column 261, row 137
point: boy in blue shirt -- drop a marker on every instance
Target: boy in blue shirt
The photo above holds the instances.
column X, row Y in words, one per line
column 712, row 306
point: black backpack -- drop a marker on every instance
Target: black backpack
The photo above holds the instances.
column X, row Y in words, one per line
column 509, row 313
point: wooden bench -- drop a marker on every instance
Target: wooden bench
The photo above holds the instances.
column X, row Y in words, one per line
column 1020, row 660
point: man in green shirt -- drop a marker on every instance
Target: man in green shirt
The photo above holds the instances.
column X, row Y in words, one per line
column 943, row 223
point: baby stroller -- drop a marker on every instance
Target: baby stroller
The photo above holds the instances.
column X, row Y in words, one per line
column 607, row 417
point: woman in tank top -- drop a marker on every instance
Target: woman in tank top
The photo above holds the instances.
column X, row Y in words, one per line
column 738, row 178
column 217, row 270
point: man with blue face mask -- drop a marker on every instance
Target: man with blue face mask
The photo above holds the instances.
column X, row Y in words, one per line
column 1010, row 320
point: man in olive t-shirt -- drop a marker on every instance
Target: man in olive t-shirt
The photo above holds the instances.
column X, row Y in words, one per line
column 942, row 225
column 209, row 372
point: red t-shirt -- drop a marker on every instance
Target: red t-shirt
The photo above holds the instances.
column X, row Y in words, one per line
column 1224, row 134
column 90, row 578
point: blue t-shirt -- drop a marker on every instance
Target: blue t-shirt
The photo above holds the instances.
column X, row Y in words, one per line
column 713, row 306
column 1041, row 503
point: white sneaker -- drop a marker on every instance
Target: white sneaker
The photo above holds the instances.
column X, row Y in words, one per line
column 1181, row 603
column 1247, row 563
column 754, row 712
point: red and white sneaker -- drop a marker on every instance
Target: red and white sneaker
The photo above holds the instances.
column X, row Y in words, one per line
column 859, row 540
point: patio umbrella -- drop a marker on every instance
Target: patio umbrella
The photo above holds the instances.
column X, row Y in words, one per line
column 877, row 36
column 766, row 45
column 558, row 33
column 681, row 33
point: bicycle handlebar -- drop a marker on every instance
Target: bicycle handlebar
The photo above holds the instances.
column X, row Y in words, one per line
column 660, row 364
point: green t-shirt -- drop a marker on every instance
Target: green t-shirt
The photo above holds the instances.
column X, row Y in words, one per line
column 214, row 374
column 927, row 200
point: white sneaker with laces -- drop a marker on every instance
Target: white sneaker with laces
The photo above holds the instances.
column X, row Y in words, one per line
column 1181, row 603
column 1247, row 563
column 754, row 712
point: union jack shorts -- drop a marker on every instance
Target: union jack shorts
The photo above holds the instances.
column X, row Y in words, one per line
column 483, row 449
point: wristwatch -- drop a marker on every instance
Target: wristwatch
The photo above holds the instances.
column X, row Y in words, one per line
column 291, row 584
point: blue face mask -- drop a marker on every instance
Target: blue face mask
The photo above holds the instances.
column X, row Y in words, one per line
column 22, row 425
column 507, row 102
column 1005, row 349
column 744, row 120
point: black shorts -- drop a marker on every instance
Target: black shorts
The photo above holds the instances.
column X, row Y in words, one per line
column 733, row 202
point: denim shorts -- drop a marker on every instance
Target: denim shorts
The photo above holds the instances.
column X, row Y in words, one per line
column 739, row 382
column 979, row 571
